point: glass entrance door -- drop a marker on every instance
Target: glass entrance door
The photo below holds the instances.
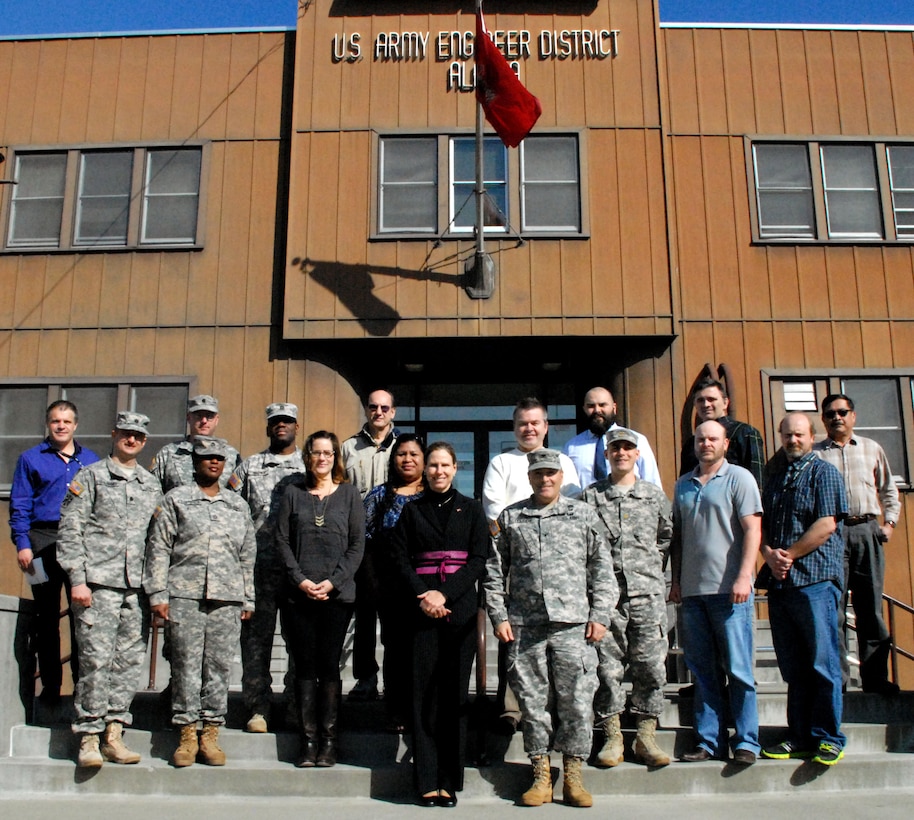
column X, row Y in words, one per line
column 477, row 420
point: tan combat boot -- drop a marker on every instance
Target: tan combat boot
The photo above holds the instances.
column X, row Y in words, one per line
column 89, row 755
column 573, row 791
column 541, row 790
column 186, row 753
column 646, row 749
column 210, row 753
column 113, row 747
column 613, row 749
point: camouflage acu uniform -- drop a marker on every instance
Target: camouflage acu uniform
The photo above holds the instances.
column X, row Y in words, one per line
column 557, row 565
column 259, row 479
column 200, row 561
column 102, row 542
column 174, row 467
column 639, row 523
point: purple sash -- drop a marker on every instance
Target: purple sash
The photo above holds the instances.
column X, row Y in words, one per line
column 440, row 562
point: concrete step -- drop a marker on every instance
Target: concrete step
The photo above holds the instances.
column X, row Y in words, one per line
column 374, row 749
column 252, row 779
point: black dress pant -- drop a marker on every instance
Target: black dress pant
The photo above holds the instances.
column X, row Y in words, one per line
column 442, row 662
column 47, row 624
column 316, row 632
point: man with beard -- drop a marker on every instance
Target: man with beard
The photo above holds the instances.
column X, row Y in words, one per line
column 871, row 490
column 746, row 448
column 260, row 479
column 589, row 459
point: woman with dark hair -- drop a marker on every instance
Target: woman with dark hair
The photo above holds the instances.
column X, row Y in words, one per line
column 320, row 536
column 383, row 506
column 440, row 546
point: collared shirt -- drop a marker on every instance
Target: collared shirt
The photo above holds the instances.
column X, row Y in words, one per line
column 795, row 497
column 867, row 476
column 173, row 465
column 639, row 522
column 746, row 449
column 708, row 530
column 39, row 486
column 507, row 481
column 201, row 547
column 582, row 448
column 365, row 460
column 103, row 524
column 550, row 565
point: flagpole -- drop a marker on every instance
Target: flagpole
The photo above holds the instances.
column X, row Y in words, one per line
column 480, row 272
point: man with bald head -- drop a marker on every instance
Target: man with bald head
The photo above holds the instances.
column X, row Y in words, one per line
column 803, row 548
column 590, row 459
column 717, row 529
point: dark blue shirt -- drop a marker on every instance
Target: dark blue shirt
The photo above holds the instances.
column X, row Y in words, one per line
column 795, row 497
column 39, row 486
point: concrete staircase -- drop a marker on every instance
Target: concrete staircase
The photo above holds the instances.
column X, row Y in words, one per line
column 375, row 762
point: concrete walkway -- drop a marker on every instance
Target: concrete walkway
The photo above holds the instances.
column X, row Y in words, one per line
column 884, row 805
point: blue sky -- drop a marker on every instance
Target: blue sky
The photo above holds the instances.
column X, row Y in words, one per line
column 32, row 17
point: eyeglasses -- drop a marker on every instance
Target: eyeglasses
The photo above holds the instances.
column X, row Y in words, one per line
column 384, row 408
column 830, row 414
column 319, row 453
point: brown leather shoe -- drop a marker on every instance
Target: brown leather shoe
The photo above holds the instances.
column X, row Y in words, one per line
column 698, row 756
column 743, row 757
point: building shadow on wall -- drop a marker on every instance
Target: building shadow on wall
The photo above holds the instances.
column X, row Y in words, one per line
column 354, row 287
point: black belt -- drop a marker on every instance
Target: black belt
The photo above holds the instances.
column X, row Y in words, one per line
column 853, row 520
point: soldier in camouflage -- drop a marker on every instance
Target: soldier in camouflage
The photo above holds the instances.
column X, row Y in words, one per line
column 259, row 479
column 638, row 519
column 173, row 465
column 102, row 547
column 200, row 579
column 550, row 589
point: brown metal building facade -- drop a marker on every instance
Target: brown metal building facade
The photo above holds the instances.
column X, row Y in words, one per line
column 278, row 215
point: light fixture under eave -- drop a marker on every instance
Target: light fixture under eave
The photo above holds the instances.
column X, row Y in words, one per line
column 414, row 367
column 551, row 367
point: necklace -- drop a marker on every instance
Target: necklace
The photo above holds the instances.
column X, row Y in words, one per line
column 319, row 517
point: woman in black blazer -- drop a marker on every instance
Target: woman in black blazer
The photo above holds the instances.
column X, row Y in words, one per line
column 440, row 547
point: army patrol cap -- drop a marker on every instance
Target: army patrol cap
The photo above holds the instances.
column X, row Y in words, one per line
column 136, row 422
column 207, row 447
column 203, row 402
column 621, row 434
column 282, row 410
column 544, row 460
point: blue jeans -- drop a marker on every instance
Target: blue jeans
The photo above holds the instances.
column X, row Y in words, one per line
column 717, row 642
column 804, row 629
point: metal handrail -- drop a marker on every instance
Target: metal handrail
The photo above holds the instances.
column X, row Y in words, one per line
column 894, row 649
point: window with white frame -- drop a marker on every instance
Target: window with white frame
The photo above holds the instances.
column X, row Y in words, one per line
column 426, row 185
column 23, row 405
column 89, row 198
column 550, row 179
column 832, row 191
column 884, row 403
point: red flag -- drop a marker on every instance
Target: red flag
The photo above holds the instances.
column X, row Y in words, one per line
column 509, row 107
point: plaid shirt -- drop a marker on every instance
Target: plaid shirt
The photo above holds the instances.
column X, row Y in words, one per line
column 867, row 476
column 795, row 497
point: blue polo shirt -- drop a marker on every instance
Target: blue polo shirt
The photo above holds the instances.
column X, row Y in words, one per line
column 707, row 522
